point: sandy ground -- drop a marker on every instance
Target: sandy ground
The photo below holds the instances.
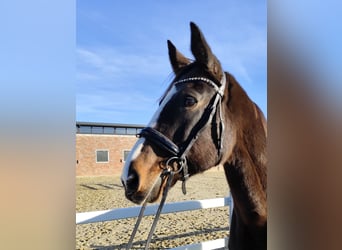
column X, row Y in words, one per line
column 101, row 193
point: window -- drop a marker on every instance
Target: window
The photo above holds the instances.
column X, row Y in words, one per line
column 131, row 131
column 84, row 130
column 108, row 130
column 120, row 131
column 102, row 156
column 97, row 130
column 126, row 153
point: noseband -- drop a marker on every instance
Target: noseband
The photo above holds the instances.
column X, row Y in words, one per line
column 178, row 154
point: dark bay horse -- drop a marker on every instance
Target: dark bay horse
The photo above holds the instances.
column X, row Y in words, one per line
column 205, row 119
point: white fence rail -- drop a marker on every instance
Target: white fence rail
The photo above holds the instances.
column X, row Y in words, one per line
column 174, row 207
column 129, row 212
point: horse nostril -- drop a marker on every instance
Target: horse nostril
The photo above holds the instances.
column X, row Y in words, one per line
column 132, row 182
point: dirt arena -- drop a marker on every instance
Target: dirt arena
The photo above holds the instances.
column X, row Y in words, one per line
column 106, row 192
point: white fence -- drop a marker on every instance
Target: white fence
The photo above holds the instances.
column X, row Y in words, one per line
column 124, row 213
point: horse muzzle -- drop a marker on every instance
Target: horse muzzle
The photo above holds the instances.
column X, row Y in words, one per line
column 138, row 192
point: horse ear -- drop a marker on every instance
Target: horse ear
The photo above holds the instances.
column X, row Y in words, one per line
column 202, row 52
column 177, row 60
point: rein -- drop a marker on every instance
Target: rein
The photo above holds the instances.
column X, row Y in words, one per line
column 167, row 173
column 178, row 153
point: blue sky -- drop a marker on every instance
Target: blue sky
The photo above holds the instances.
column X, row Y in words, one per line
column 121, row 52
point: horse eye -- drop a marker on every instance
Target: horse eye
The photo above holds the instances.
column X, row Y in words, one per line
column 189, row 101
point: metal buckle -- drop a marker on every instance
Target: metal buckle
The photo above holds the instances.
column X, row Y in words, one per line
column 180, row 162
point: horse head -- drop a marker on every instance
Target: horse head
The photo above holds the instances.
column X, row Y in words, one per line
column 189, row 118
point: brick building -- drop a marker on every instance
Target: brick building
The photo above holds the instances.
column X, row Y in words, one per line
column 101, row 148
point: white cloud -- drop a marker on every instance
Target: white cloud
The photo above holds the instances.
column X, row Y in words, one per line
column 86, row 76
column 89, row 57
column 115, row 106
column 114, row 62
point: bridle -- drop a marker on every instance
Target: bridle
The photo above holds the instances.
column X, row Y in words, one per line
column 178, row 153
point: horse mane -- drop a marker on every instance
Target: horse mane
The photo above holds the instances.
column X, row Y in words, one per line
column 250, row 148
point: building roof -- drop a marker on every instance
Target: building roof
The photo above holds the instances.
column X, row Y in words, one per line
column 108, row 128
column 103, row 124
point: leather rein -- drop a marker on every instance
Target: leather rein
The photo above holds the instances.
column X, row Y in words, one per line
column 177, row 154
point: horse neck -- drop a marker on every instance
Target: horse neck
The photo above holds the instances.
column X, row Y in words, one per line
column 245, row 167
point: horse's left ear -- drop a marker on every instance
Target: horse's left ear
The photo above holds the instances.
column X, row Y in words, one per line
column 177, row 60
column 202, row 52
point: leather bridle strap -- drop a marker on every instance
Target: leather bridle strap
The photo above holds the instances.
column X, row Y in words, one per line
column 169, row 174
column 159, row 140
